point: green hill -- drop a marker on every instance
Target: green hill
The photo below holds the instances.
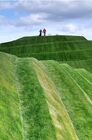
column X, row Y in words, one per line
column 46, row 99
column 41, row 47
column 67, row 49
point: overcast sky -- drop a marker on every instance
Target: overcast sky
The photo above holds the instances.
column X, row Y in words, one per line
column 25, row 17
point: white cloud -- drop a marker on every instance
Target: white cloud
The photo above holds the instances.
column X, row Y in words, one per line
column 71, row 27
column 6, row 4
column 58, row 16
column 31, row 19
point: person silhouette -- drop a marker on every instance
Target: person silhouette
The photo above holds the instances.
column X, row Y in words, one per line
column 44, row 32
column 40, row 32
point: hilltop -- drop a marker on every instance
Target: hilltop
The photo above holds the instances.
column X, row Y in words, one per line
column 46, row 88
column 74, row 50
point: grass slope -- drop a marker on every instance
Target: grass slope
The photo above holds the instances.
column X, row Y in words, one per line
column 37, row 40
column 86, row 64
column 51, row 47
column 23, row 110
column 74, row 50
column 44, row 100
column 10, row 121
column 75, row 90
column 63, row 125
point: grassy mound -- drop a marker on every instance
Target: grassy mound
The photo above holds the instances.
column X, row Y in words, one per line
column 74, row 50
column 47, row 47
column 44, row 100
column 23, row 109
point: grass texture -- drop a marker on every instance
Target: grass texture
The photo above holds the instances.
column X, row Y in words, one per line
column 44, row 100
column 49, row 98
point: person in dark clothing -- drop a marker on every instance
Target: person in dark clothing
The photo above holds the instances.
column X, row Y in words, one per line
column 40, row 32
column 44, row 32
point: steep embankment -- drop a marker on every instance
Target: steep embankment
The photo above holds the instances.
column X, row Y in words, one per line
column 74, row 50
column 52, row 47
column 75, row 88
column 48, row 100
column 24, row 112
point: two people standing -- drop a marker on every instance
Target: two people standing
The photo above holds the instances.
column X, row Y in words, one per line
column 42, row 31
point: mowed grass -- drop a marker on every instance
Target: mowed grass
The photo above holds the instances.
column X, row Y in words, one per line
column 37, row 40
column 74, row 50
column 47, row 47
column 46, row 100
column 27, row 112
column 10, row 122
column 24, row 112
column 37, row 123
column 86, row 64
column 63, row 125
column 76, row 92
